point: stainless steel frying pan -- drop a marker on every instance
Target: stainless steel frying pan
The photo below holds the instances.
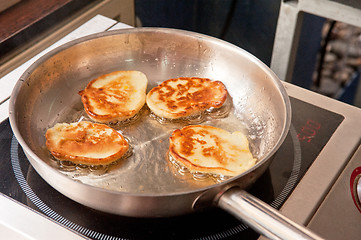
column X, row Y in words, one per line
column 146, row 184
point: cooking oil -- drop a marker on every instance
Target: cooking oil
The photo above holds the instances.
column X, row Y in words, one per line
column 198, row 118
column 196, row 175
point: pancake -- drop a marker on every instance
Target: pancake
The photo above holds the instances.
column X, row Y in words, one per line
column 85, row 143
column 114, row 97
column 207, row 149
column 183, row 97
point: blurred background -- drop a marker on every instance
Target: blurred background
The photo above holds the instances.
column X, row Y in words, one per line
column 328, row 56
column 247, row 23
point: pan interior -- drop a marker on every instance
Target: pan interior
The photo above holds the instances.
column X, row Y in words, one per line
column 48, row 94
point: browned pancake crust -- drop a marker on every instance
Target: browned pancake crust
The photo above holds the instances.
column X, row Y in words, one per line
column 180, row 102
column 188, row 141
column 95, row 98
column 212, row 150
column 86, row 143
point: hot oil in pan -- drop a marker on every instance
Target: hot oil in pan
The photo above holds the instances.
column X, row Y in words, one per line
column 147, row 169
column 211, row 113
column 198, row 176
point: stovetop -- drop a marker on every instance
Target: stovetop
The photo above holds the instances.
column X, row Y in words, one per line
column 311, row 129
column 305, row 174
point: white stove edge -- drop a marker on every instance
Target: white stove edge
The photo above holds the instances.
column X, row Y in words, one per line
column 20, row 222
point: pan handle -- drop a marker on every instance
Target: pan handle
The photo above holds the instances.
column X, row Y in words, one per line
column 261, row 217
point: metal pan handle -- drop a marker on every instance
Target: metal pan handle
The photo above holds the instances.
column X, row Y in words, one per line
column 261, row 217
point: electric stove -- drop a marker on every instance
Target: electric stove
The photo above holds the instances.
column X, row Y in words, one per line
column 323, row 139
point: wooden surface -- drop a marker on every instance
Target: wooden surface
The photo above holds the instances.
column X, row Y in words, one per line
column 6, row 4
column 24, row 14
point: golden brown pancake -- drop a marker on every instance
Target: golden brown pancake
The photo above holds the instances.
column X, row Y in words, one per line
column 116, row 96
column 85, row 143
column 211, row 150
column 183, row 97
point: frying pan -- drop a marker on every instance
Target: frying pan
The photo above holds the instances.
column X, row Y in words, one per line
column 145, row 183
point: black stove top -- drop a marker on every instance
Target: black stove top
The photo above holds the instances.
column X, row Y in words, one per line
column 311, row 129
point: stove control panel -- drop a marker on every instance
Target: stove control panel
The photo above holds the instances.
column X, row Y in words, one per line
column 341, row 209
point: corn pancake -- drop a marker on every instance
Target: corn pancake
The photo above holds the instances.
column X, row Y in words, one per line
column 85, row 143
column 116, row 96
column 183, row 97
column 212, row 150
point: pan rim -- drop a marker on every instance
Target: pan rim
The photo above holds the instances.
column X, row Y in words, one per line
column 33, row 66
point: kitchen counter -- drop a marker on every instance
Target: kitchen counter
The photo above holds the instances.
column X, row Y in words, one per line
column 24, row 14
